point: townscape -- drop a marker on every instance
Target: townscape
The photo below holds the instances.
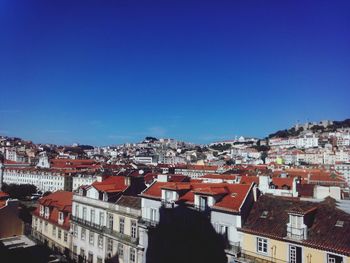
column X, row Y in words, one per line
column 282, row 198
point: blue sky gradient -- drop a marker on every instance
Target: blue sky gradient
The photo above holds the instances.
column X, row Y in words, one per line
column 107, row 72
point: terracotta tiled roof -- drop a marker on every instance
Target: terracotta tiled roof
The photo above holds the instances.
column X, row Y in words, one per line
column 249, row 179
column 305, row 190
column 60, row 201
column 130, row 201
column 219, row 176
column 282, row 182
column 231, row 197
column 322, row 231
column 111, row 184
column 3, row 195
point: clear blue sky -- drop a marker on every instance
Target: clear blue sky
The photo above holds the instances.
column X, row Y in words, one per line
column 107, row 72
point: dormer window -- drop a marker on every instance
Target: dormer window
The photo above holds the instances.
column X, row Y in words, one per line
column 168, row 196
column 264, row 214
column 41, row 210
column 339, row 223
column 47, row 212
column 296, row 229
column 203, row 203
column 60, row 218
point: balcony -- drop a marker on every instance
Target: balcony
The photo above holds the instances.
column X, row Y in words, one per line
column 205, row 210
column 88, row 224
column 233, row 248
column 148, row 222
column 168, row 204
column 296, row 233
column 127, row 238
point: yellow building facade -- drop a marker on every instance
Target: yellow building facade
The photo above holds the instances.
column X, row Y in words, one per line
column 279, row 251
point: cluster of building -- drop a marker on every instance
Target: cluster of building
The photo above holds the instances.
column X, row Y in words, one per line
column 281, row 199
column 257, row 212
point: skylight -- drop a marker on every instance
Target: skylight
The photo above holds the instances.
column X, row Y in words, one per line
column 264, row 214
column 339, row 223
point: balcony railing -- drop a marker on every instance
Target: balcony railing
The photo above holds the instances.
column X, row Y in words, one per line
column 88, row 223
column 203, row 209
column 127, row 238
column 148, row 222
column 168, row 204
column 233, row 248
column 296, row 233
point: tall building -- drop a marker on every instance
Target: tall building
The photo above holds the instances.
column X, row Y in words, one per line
column 51, row 221
column 105, row 220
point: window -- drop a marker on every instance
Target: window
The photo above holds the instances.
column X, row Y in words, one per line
column 83, row 233
column 133, row 229
column 92, row 216
column 262, row 245
column 90, row 257
column 59, row 233
column 264, row 214
column 102, row 218
column 339, row 223
column 132, row 255
column 77, row 210
column 60, row 217
column 84, row 213
column 153, row 214
column 203, row 202
column 82, row 252
column 295, row 255
column 45, row 227
column 110, row 245
column 75, row 230
column 334, row 258
column 65, row 236
column 99, row 260
column 100, row 241
column 41, row 210
column 110, row 221
column 223, row 230
column 91, row 238
column 47, row 212
column 296, row 221
column 168, row 196
column 121, row 225
column 120, row 249
column 54, row 231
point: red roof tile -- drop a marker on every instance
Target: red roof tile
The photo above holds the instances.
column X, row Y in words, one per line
column 323, row 234
column 111, row 184
column 60, row 201
column 232, row 198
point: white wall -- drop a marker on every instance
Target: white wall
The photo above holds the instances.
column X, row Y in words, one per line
column 232, row 221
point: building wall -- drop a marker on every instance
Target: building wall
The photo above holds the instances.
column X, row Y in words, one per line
column 79, row 181
column 229, row 220
column 10, row 224
column 79, row 243
column 45, row 228
column 146, row 205
column 278, row 251
column 127, row 246
column 44, row 181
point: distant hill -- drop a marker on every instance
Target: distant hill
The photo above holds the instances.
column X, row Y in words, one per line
column 315, row 128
